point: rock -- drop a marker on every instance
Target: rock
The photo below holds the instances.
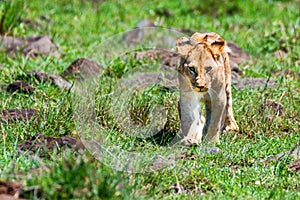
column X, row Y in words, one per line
column 31, row 46
column 160, row 162
column 10, row 190
column 271, row 105
column 20, row 86
column 254, row 83
column 42, row 144
column 40, row 45
column 237, row 55
column 135, row 36
column 82, row 68
column 52, row 78
column 11, row 44
column 145, row 23
column 17, row 115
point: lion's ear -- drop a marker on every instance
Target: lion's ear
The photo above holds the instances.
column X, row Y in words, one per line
column 184, row 46
column 214, row 41
column 217, row 44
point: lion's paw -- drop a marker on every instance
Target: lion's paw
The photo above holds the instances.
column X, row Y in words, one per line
column 231, row 126
column 190, row 142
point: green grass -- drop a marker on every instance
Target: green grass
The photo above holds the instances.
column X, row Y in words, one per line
column 78, row 26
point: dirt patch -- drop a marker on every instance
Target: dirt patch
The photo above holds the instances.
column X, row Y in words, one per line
column 21, row 87
column 82, row 68
column 17, row 115
column 42, row 144
column 30, row 46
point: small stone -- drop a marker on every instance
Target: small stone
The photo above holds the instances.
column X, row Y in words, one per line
column 20, row 86
column 42, row 143
column 52, row 78
column 31, row 46
column 82, row 68
column 17, row 115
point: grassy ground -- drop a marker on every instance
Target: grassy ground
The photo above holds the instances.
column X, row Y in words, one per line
column 259, row 27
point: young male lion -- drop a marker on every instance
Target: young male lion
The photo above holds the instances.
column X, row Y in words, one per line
column 204, row 76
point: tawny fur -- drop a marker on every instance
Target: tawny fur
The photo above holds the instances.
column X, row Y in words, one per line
column 204, row 76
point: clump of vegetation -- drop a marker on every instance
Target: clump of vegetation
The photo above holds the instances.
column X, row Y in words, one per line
column 10, row 15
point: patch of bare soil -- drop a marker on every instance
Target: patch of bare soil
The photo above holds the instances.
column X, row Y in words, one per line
column 42, row 144
column 82, row 68
column 30, row 46
column 21, row 87
column 17, row 115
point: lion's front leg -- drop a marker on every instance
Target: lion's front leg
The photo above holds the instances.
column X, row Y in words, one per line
column 191, row 121
column 215, row 107
column 230, row 123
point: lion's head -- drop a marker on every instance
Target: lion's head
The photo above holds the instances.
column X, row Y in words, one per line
column 200, row 58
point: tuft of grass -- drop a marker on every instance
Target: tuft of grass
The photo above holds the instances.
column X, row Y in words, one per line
column 11, row 12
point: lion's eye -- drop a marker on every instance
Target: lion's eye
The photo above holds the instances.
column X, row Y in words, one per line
column 208, row 69
column 192, row 69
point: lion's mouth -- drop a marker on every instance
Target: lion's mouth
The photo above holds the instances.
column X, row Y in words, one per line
column 196, row 89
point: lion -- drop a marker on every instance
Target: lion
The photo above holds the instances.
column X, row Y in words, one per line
column 204, row 76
